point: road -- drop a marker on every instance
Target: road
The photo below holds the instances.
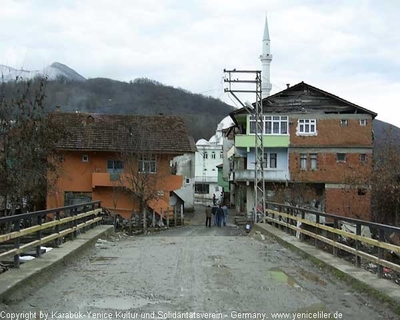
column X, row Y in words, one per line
column 220, row 271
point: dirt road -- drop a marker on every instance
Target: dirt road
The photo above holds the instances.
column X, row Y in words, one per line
column 219, row 271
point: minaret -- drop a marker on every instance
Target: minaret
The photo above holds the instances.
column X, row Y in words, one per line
column 266, row 58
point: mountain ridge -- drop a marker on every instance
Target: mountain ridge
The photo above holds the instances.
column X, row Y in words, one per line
column 51, row 72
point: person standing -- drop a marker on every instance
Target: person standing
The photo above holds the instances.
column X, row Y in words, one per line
column 224, row 217
column 219, row 214
column 208, row 216
column 214, row 213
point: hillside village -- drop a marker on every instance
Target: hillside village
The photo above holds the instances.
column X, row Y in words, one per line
column 317, row 149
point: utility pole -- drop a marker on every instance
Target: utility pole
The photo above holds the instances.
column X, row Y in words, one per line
column 256, row 112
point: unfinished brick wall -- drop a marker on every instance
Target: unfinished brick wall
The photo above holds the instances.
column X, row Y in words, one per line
column 329, row 169
column 354, row 203
column 331, row 133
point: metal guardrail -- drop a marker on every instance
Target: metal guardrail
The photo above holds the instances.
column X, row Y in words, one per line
column 56, row 223
column 286, row 216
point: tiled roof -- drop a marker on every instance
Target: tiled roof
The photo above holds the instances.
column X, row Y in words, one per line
column 164, row 134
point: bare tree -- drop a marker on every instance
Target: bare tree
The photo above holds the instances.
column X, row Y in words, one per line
column 385, row 182
column 142, row 177
column 28, row 138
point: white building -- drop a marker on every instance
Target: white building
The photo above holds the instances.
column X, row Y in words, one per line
column 184, row 166
column 209, row 155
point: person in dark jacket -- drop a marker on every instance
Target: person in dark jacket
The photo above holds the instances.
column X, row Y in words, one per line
column 219, row 214
column 208, row 216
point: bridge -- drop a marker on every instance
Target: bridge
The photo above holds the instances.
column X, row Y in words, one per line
column 296, row 266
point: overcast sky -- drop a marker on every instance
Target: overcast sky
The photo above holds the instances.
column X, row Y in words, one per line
column 350, row 48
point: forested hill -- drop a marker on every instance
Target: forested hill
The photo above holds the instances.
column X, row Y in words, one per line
column 141, row 96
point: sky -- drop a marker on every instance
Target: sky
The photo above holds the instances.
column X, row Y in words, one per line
column 350, row 48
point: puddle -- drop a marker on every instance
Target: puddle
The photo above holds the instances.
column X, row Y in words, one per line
column 313, row 277
column 120, row 303
column 98, row 259
column 282, row 277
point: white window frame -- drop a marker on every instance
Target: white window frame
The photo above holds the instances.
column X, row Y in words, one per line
column 363, row 157
column 313, row 161
column 213, row 155
column 276, row 125
column 85, row 158
column 205, row 155
column 307, row 127
column 303, row 161
column 344, row 122
column 147, row 164
column 363, row 122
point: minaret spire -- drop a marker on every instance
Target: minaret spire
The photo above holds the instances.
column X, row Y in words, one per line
column 266, row 58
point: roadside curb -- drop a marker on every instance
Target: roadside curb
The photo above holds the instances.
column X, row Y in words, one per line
column 37, row 271
column 358, row 278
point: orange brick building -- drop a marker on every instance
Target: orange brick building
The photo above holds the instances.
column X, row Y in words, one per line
column 103, row 153
column 318, row 151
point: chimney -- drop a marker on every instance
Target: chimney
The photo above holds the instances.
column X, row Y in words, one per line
column 287, row 85
column 89, row 119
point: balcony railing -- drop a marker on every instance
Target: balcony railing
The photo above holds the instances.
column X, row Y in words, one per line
column 104, row 179
column 271, row 175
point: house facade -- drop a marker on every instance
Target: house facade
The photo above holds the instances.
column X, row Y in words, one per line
column 317, row 152
column 210, row 155
column 107, row 157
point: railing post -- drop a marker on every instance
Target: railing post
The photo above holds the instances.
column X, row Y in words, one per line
column 16, row 243
column 38, row 236
column 280, row 218
column 167, row 215
column 58, row 240
column 381, row 234
column 182, row 222
column 335, row 237
column 303, row 216
column 75, row 233
column 358, row 246
column 175, row 214
column 316, row 231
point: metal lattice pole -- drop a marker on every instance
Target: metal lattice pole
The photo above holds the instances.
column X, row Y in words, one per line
column 257, row 112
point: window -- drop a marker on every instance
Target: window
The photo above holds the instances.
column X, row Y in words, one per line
column 303, row 161
column 341, row 157
column 313, row 161
column 362, row 191
column 343, row 122
column 147, row 164
column 205, row 155
column 221, row 155
column 85, row 158
column 363, row 157
column 275, row 124
column 201, row 188
column 307, row 126
column 273, row 160
column 363, row 122
column 187, row 180
column 115, row 166
column 212, row 155
column 253, row 123
column 271, row 124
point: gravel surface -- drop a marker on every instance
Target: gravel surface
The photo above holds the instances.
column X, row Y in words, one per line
column 219, row 271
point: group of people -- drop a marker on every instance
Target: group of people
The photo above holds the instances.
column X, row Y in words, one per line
column 220, row 214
